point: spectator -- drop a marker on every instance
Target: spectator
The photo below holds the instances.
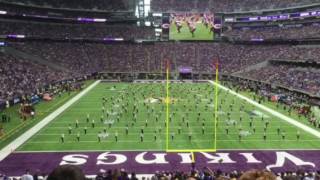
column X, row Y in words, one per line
column 274, row 32
column 27, row 176
column 66, row 172
column 257, row 175
column 67, row 30
column 111, row 5
column 224, row 5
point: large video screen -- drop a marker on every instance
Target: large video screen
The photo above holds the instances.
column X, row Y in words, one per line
column 191, row 26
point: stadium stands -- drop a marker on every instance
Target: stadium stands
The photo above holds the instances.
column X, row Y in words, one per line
column 88, row 58
column 55, row 30
column 21, row 77
column 225, row 5
column 172, row 5
column 293, row 76
column 128, row 58
column 201, row 174
column 74, row 4
column 20, row 9
column 69, row 55
column 133, row 58
column 205, row 174
column 274, row 32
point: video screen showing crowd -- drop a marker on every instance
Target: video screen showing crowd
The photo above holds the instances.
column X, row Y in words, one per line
column 191, row 26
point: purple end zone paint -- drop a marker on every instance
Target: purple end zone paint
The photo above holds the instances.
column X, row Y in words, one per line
column 150, row 162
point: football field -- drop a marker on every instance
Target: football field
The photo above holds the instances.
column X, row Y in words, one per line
column 202, row 32
column 134, row 117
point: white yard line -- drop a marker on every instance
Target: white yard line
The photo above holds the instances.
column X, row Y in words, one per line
column 4, row 152
column 271, row 111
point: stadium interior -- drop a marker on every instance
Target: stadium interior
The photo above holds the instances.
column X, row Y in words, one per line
column 160, row 89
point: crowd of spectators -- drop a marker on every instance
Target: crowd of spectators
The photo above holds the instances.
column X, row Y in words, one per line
column 25, row 10
column 109, row 5
column 274, row 32
column 208, row 174
column 224, row 5
column 88, row 58
column 72, row 56
column 74, row 172
column 127, row 31
column 201, row 57
column 83, row 30
column 170, row 5
column 288, row 75
column 19, row 77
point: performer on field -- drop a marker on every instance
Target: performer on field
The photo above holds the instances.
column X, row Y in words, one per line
column 92, row 123
column 70, row 129
column 283, row 135
column 141, row 137
column 77, row 123
column 88, row 118
column 116, row 136
column 62, row 138
column 190, row 136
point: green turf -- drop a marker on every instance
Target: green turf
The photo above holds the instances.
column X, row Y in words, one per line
column 282, row 108
column 129, row 95
column 201, row 33
column 16, row 126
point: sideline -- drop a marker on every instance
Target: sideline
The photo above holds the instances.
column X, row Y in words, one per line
column 273, row 112
column 4, row 152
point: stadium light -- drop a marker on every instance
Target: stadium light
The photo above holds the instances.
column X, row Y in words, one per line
column 157, row 14
column 158, row 30
column 18, row 36
column 91, row 19
column 113, row 39
column 99, row 20
column 147, row 23
column 228, row 19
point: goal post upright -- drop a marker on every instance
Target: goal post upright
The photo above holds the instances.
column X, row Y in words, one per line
column 216, row 64
column 167, row 102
